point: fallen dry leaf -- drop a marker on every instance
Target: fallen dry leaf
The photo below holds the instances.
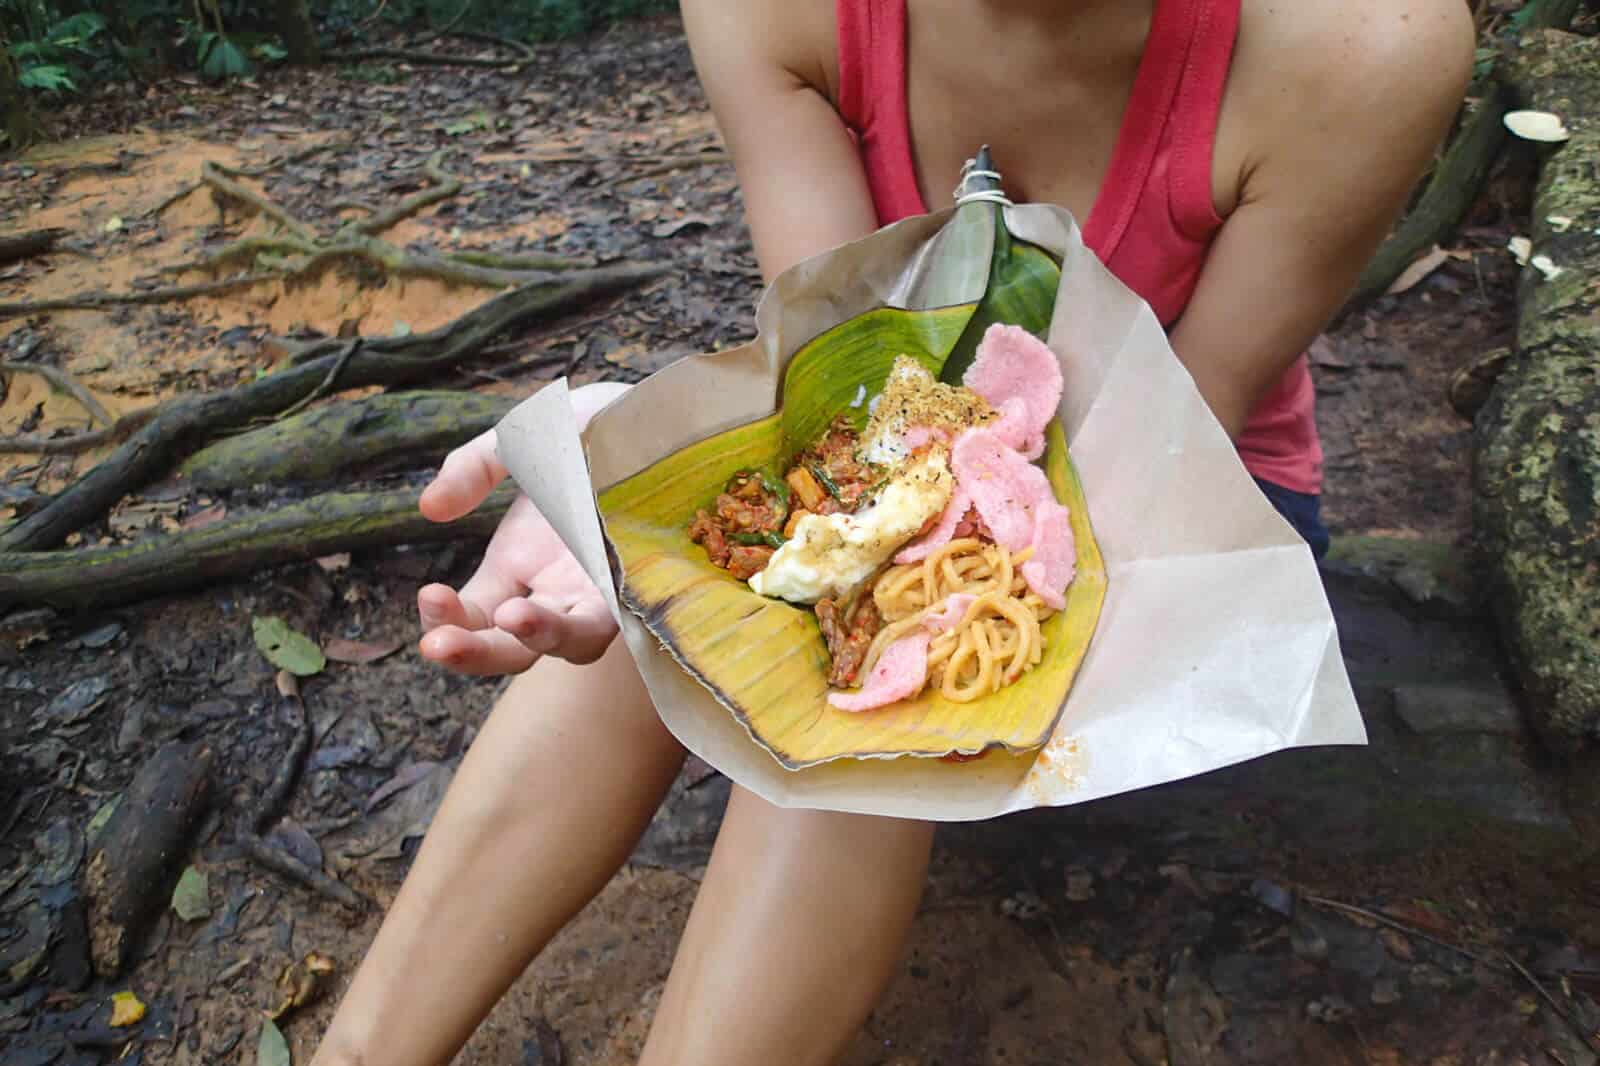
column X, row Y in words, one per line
column 1520, row 248
column 1421, row 267
column 210, row 516
column 126, row 1009
column 303, row 983
column 359, row 652
column 336, row 561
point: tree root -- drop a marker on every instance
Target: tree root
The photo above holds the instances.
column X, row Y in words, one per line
column 220, row 182
column 96, row 578
column 300, row 250
column 496, row 261
column 379, row 361
column 99, row 301
column 28, row 245
column 445, row 186
column 277, row 795
column 421, row 59
column 67, row 384
column 118, row 431
column 253, row 172
column 326, row 444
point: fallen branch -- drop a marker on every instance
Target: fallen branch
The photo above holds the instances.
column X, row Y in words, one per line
column 321, row 445
column 277, row 795
column 131, row 866
column 380, row 361
column 67, row 384
column 29, row 244
column 95, row 578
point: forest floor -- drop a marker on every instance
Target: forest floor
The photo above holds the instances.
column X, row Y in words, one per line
column 1103, row 952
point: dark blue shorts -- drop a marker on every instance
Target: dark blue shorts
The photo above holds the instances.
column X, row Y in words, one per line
column 1304, row 513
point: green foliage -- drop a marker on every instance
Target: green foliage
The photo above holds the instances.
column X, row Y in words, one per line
column 64, row 46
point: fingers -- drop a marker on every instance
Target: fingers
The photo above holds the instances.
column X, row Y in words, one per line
column 479, row 652
column 439, row 605
column 579, row 633
column 468, row 474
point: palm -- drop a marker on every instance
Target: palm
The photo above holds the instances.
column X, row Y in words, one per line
column 528, row 598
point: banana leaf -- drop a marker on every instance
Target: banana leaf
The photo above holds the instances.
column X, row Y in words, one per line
column 1213, row 642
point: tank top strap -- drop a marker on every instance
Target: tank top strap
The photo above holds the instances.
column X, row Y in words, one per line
column 872, row 58
column 1173, row 109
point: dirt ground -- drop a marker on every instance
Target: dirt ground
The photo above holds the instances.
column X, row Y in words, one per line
column 1036, row 946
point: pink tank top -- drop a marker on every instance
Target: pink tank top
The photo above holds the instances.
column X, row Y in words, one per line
column 1152, row 222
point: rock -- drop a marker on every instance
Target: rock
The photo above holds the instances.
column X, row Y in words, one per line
column 1537, row 486
column 1453, row 707
column 1428, row 574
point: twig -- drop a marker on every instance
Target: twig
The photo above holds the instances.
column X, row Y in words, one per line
column 1561, row 1012
column 66, row 383
column 277, row 795
column 97, row 301
column 1350, row 908
column 327, row 382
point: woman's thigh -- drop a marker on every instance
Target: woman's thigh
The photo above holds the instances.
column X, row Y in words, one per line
column 799, row 925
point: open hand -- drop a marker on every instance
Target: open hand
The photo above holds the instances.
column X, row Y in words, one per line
column 528, row 597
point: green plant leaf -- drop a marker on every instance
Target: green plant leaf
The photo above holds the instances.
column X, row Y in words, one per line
column 285, row 648
column 1023, row 279
column 50, row 79
column 191, row 899
column 224, row 59
column 92, row 831
column 272, row 1049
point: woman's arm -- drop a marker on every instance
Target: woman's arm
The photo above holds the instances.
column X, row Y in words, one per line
column 1347, row 118
column 799, row 172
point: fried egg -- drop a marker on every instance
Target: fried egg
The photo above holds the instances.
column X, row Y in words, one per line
column 831, row 554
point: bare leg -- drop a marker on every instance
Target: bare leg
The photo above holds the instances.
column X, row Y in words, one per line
column 799, row 925
column 547, row 805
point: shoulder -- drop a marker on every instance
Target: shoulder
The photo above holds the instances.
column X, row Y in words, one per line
column 1377, row 64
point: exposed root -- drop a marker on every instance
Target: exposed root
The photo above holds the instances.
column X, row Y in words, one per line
column 99, row 301
column 444, row 187
column 422, row 59
column 67, row 384
column 211, row 175
column 121, row 430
